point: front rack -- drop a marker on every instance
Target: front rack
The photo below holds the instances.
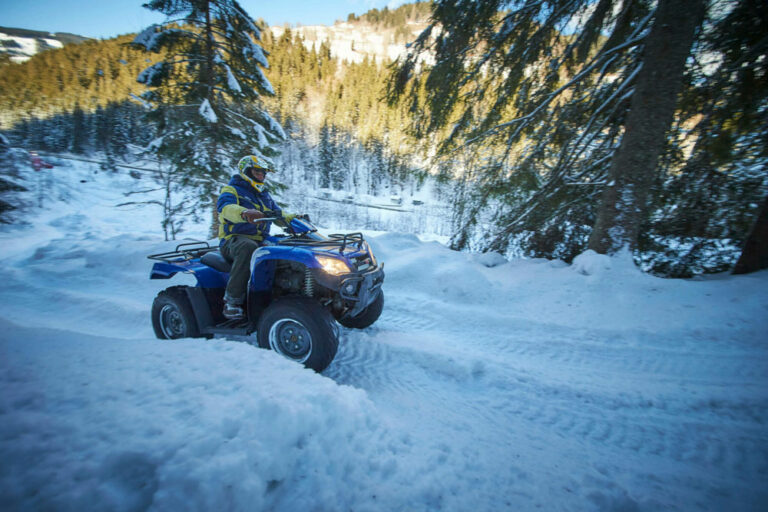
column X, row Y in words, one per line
column 185, row 251
column 335, row 240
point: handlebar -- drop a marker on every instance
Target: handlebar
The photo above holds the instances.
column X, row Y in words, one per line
column 296, row 227
column 264, row 219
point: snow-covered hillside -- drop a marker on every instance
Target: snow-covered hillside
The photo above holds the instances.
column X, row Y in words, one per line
column 354, row 42
column 21, row 44
column 486, row 384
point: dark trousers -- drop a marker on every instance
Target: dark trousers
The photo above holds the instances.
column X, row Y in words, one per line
column 238, row 249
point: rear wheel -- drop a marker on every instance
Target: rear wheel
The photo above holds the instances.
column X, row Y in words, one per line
column 299, row 329
column 368, row 316
column 172, row 316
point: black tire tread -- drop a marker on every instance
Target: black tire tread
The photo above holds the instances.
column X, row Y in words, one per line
column 176, row 295
column 314, row 317
column 368, row 316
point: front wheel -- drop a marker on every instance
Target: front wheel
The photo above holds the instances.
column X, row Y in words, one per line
column 172, row 315
column 368, row 316
column 299, row 329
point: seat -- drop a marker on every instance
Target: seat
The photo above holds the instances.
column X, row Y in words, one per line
column 215, row 260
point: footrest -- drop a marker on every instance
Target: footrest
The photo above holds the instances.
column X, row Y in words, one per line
column 231, row 327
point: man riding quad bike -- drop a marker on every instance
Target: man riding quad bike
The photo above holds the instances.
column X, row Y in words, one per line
column 297, row 287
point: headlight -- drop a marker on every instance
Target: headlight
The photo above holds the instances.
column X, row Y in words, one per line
column 333, row 266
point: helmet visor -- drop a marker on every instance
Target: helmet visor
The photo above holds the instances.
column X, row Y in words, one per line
column 254, row 169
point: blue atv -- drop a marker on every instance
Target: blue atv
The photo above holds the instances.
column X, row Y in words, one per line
column 301, row 284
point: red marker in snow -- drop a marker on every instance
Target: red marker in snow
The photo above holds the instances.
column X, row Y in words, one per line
column 37, row 162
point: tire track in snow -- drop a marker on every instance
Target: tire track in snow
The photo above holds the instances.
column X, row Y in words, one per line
column 407, row 313
column 716, row 434
column 364, row 364
column 579, row 347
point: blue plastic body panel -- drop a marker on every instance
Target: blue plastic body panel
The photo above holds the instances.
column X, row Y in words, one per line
column 263, row 261
column 205, row 275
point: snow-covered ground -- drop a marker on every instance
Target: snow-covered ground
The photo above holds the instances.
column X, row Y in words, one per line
column 486, row 384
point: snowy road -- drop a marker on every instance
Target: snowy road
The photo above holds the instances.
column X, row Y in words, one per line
column 540, row 413
column 485, row 385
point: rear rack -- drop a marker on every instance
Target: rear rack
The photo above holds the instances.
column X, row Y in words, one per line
column 183, row 252
column 335, row 240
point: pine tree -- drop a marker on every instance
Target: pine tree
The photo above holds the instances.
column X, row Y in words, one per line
column 79, row 131
column 527, row 108
column 542, row 103
column 207, row 90
column 10, row 183
column 625, row 200
column 719, row 189
column 755, row 254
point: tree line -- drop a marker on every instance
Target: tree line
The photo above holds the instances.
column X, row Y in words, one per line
column 67, row 114
column 546, row 118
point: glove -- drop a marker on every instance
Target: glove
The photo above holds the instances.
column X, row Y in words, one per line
column 251, row 216
column 303, row 216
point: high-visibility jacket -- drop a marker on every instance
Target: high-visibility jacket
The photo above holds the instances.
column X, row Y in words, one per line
column 239, row 195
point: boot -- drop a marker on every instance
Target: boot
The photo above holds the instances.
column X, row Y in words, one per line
column 233, row 311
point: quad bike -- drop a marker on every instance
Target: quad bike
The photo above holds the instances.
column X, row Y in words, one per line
column 301, row 284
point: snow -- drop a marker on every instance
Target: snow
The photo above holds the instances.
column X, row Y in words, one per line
column 487, row 384
column 147, row 76
column 274, row 126
column 148, row 37
column 260, row 132
column 263, row 81
column 54, row 43
column 354, row 43
column 255, row 52
column 206, row 110
column 21, row 49
column 144, row 103
column 232, row 82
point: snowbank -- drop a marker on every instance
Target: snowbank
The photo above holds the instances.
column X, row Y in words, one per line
column 92, row 423
column 595, row 292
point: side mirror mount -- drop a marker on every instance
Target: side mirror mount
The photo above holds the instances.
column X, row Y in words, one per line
column 299, row 226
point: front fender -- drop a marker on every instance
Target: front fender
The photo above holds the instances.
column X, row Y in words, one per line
column 263, row 262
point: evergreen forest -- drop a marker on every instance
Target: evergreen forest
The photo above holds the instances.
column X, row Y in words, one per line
column 548, row 127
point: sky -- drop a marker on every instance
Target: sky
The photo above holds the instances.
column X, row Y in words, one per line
column 109, row 18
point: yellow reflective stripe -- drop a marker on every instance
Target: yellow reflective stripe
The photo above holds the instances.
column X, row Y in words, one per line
column 231, row 190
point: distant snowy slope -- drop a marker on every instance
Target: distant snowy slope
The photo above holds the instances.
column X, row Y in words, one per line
column 354, row 42
column 21, row 44
column 348, row 41
column 486, row 384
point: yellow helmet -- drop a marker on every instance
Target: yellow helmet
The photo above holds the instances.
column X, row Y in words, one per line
column 255, row 162
column 250, row 162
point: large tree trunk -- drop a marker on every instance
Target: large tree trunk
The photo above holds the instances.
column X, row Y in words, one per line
column 624, row 202
column 209, row 55
column 754, row 256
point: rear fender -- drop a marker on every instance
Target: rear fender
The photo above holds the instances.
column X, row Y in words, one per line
column 206, row 276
